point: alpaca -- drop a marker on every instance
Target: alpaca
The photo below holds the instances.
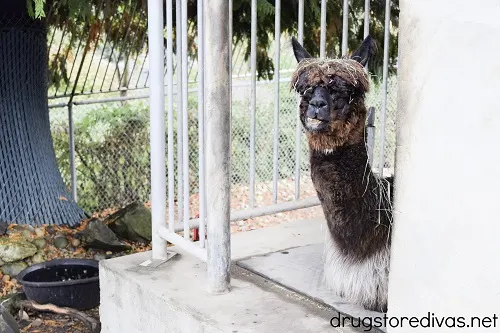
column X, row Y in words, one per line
column 356, row 202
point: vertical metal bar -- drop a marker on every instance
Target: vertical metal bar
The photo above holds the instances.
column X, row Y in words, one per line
column 298, row 128
column 367, row 19
column 72, row 166
column 345, row 27
column 370, row 139
column 218, row 146
column 277, row 41
column 384, row 85
column 322, row 42
column 170, row 121
column 179, row 91
column 253, row 96
column 157, row 125
column 185, row 109
column 201, row 121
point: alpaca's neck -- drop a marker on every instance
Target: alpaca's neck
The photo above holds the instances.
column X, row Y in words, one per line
column 352, row 198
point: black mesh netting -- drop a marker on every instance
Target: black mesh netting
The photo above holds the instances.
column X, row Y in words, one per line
column 32, row 190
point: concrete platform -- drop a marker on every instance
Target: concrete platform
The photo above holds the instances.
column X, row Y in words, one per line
column 268, row 294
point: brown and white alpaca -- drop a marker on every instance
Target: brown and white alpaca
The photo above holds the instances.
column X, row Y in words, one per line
column 356, row 203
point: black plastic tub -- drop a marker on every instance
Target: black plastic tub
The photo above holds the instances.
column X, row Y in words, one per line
column 70, row 283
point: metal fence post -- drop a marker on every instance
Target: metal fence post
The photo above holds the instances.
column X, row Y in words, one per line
column 322, row 43
column 370, row 133
column 72, row 167
column 385, row 74
column 157, row 125
column 345, row 27
column 218, row 145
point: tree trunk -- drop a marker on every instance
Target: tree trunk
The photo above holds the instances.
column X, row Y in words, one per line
column 32, row 190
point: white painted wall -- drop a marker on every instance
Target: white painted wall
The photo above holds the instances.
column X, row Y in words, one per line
column 446, row 249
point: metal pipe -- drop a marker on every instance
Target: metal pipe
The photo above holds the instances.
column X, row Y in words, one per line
column 277, row 40
column 185, row 110
column 384, row 84
column 253, row 97
column 322, row 42
column 201, row 122
column 345, row 27
column 180, row 100
column 367, row 19
column 190, row 247
column 298, row 126
column 72, row 166
column 157, row 125
column 370, row 130
column 170, row 121
column 260, row 211
column 218, row 146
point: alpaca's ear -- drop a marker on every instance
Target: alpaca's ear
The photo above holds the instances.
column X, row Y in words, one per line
column 365, row 52
column 299, row 51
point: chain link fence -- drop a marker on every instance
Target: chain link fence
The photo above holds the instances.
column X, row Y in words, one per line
column 107, row 88
column 112, row 153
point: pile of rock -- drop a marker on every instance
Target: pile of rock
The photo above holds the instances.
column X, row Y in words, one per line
column 24, row 245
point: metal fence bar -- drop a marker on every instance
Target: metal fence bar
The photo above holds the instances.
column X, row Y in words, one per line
column 170, row 115
column 370, row 133
column 383, row 110
column 157, row 126
column 253, row 97
column 261, row 211
column 191, row 247
column 180, row 100
column 201, row 121
column 322, row 42
column 185, row 110
column 277, row 35
column 298, row 128
column 366, row 31
column 345, row 27
column 72, row 167
column 218, row 146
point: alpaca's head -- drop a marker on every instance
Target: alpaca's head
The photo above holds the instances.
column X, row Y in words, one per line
column 332, row 92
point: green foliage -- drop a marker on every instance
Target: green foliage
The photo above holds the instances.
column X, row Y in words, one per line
column 36, row 8
column 92, row 19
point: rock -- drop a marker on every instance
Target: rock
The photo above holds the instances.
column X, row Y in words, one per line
column 26, row 234
column 97, row 235
column 7, row 322
column 38, row 258
column 50, row 230
column 99, row 256
column 3, row 227
column 37, row 323
column 14, row 268
column 23, row 315
column 39, row 232
column 1, row 262
column 14, row 250
column 6, row 278
column 40, row 243
column 60, row 242
column 132, row 223
column 75, row 242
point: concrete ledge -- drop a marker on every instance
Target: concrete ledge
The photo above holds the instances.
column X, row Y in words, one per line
column 173, row 298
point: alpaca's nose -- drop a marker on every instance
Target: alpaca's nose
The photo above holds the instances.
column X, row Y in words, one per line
column 317, row 102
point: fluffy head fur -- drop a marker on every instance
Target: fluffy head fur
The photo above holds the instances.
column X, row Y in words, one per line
column 356, row 203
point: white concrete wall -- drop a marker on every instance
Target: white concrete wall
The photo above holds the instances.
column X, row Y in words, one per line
column 446, row 249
